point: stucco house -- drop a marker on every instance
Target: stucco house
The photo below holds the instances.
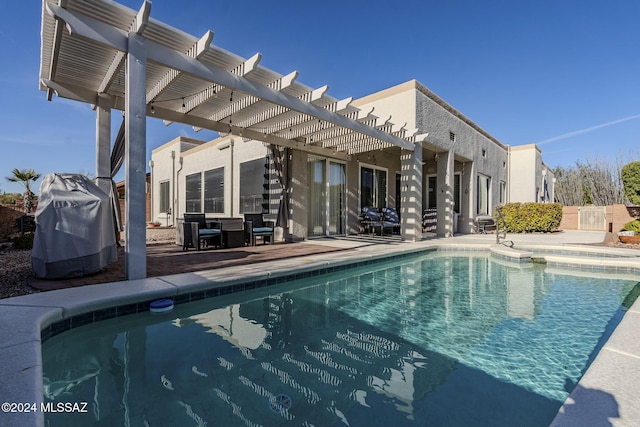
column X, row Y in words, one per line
column 464, row 173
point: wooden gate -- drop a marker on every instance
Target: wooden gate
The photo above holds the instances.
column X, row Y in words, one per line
column 592, row 218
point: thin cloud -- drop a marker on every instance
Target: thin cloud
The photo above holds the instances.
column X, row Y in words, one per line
column 587, row 130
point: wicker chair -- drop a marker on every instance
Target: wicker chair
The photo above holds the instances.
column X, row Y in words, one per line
column 255, row 226
column 196, row 232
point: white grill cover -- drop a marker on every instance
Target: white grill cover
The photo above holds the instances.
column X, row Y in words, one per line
column 75, row 234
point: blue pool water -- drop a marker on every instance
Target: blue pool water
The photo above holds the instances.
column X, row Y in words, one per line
column 439, row 340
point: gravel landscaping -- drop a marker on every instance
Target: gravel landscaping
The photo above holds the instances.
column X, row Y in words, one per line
column 15, row 265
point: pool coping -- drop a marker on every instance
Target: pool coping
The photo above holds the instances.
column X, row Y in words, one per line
column 29, row 320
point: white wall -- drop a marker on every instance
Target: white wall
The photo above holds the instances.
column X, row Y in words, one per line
column 165, row 165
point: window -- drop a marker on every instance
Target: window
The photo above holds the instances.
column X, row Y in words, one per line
column 484, row 153
column 432, row 194
column 254, row 186
column 452, row 137
column 373, row 187
column 193, row 184
column 483, row 184
column 165, row 197
column 503, row 192
column 214, row 191
column 432, row 199
column 456, row 193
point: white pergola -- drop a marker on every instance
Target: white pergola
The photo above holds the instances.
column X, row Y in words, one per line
column 112, row 57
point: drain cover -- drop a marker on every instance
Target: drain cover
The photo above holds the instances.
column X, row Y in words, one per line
column 280, row 403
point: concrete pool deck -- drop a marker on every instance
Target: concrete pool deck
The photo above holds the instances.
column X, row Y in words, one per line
column 606, row 394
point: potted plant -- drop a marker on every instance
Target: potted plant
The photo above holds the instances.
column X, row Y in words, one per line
column 630, row 232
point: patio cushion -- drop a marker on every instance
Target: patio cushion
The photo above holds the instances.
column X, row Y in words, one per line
column 370, row 213
column 262, row 230
column 391, row 215
column 208, row 231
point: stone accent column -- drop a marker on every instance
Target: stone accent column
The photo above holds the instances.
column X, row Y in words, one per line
column 411, row 194
column 467, row 200
column 444, row 196
column 298, row 197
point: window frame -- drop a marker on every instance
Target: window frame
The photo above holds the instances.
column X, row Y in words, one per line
column 487, row 187
column 164, row 200
column 264, row 196
column 198, row 204
column 216, row 175
column 375, row 190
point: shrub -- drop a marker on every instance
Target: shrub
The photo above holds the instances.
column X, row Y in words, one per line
column 630, row 175
column 23, row 242
column 530, row 217
column 633, row 226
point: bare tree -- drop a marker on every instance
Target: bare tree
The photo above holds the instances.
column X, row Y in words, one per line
column 602, row 181
column 594, row 181
column 569, row 189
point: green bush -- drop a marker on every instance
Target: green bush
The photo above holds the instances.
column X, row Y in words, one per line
column 633, row 226
column 23, row 242
column 630, row 175
column 530, row 217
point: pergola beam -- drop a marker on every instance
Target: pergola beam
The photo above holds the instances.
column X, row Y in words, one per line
column 137, row 26
column 280, row 84
column 57, row 39
column 203, row 123
column 197, row 50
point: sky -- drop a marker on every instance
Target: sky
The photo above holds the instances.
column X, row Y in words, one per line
column 563, row 74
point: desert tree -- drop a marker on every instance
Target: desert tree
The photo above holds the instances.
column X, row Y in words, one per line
column 25, row 177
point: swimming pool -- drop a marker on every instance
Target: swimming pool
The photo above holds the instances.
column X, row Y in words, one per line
column 440, row 338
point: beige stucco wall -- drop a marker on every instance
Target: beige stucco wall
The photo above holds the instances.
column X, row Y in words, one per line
column 165, row 166
column 524, row 169
column 526, row 175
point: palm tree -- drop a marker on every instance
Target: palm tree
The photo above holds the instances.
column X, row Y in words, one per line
column 25, row 176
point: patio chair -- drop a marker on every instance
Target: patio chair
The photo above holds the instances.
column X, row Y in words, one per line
column 196, row 231
column 255, row 226
column 391, row 220
column 370, row 220
column 484, row 223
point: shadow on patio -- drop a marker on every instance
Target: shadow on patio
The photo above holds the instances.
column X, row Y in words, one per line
column 164, row 259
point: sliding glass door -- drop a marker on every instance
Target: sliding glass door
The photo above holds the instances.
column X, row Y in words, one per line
column 326, row 208
column 373, row 187
column 483, row 187
column 337, row 184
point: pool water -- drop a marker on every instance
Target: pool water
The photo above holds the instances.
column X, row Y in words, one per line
column 433, row 340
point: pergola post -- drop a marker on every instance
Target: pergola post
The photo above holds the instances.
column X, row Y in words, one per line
column 135, row 163
column 103, row 144
column 411, row 194
column 444, row 196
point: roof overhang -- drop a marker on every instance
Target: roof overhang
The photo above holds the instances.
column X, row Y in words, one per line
column 191, row 81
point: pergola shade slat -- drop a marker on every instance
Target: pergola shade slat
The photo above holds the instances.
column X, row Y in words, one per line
column 193, row 78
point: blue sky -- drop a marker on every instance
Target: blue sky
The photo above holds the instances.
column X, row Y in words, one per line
column 563, row 74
